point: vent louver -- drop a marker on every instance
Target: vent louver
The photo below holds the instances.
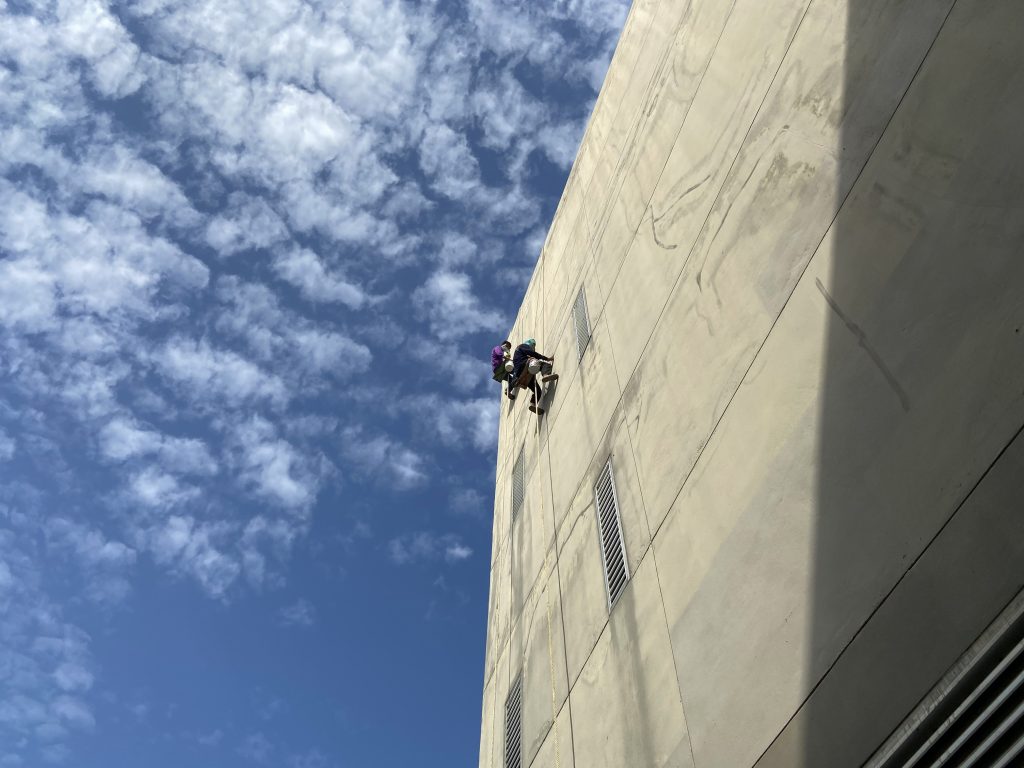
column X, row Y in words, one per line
column 978, row 720
column 613, row 550
column 513, row 725
column 582, row 322
column 518, row 483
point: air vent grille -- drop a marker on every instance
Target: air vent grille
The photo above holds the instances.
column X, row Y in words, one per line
column 582, row 322
column 513, row 724
column 518, row 483
column 613, row 550
column 978, row 721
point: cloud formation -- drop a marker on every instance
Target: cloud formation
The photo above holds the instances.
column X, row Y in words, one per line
column 241, row 257
column 301, row 613
column 424, row 546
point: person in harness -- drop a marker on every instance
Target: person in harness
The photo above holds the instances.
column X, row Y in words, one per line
column 501, row 365
column 522, row 376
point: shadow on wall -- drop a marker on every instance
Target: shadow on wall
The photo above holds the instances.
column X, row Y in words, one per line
column 922, row 398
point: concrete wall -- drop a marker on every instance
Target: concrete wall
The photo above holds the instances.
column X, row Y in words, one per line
column 800, row 228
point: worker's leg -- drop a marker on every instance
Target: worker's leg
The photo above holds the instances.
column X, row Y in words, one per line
column 546, row 372
column 514, row 381
column 536, row 395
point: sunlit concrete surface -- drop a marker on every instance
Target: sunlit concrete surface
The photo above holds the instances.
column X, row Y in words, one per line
column 799, row 225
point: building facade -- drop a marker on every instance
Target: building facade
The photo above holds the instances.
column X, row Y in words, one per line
column 774, row 514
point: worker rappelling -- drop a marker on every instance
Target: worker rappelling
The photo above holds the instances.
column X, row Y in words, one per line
column 527, row 362
column 501, row 363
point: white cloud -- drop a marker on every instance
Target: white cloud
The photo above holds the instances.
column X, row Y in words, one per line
column 266, row 544
column 313, row 758
column 561, row 141
column 406, row 201
column 210, row 739
column 89, row 544
column 74, row 712
column 272, row 467
column 73, row 677
column 307, row 128
column 49, row 732
column 505, row 110
column 154, row 488
column 256, row 747
column 360, row 52
column 453, row 553
column 7, row 446
column 218, row 375
column 120, row 175
column 381, row 457
column 195, row 549
column 534, row 244
column 424, row 546
column 525, row 28
column 104, row 563
column 116, row 270
column 462, row 423
column 6, row 579
column 509, row 212
column 454, row 369
column 48, row 668
column 468, row 501
column 55, row 753
column 123, row 438
column 451, row 67
column 451, row 308
column 321, row 350
column 305, row 270
column 456, row 249
column 445, row 156
column 301, row 613
column 252, row 312
column 120, row 439
column 88, row 29
column 247, row 223
column 27, row 296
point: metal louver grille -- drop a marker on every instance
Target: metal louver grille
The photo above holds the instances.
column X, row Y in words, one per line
column 582, row 322
column 513, row 725
column 518, row 483
column 978, row 721
column 613, row 550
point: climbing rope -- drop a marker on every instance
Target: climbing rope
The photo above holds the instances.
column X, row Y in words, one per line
column 547, row 570
column 494, row 678
column 551, row 677
column 554, row 542
column 547, row 599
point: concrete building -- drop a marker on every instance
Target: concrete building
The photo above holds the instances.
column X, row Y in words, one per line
column 798, row 230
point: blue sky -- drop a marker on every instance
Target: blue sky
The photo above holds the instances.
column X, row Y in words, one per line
column 253, row 256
